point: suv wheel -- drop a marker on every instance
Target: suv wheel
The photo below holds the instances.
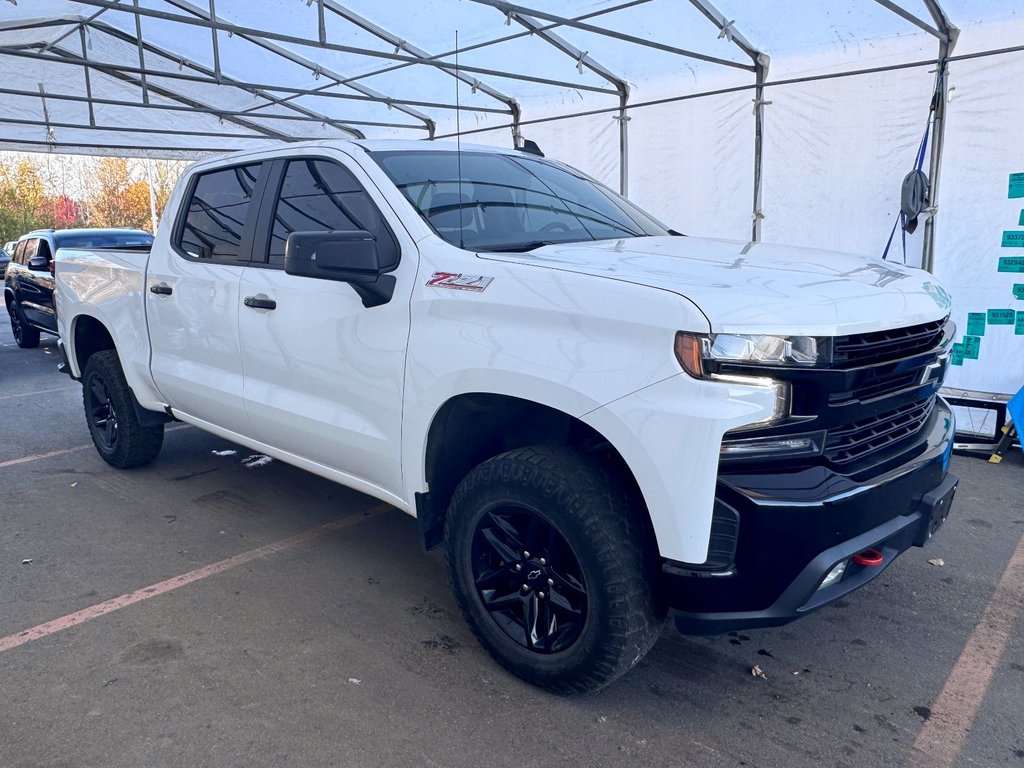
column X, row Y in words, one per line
column 551, row 571
column 119, row 438
column 25, row 335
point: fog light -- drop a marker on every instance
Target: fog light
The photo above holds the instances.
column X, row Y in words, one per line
column 796, row 445
column 834, row 575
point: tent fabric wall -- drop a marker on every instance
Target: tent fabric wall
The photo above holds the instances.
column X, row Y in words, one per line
column 835, row 149
column 984, row 144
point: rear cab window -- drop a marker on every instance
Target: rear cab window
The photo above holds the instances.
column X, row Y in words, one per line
column 217, row 219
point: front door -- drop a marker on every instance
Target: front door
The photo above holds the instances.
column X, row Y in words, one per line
column 324, row 374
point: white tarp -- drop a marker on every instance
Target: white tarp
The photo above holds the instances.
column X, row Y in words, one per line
column 835, row 150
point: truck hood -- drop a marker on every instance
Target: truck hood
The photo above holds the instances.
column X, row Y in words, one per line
column 754, row 287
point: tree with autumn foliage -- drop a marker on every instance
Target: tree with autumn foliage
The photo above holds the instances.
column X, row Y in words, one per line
column 64, row 191
column 65, row 212
column 21, row 199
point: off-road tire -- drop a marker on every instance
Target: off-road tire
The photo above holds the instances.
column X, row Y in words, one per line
column 104, row 386
column 25, row 335
column 611, row 543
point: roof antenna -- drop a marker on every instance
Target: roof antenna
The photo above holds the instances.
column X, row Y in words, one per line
column 458, row 145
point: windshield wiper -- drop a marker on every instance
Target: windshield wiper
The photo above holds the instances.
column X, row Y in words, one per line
column 521, row 247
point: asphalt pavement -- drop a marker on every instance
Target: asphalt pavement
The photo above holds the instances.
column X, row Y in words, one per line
column 216, row 609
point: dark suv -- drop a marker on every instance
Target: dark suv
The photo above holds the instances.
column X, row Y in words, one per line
column 28, row 286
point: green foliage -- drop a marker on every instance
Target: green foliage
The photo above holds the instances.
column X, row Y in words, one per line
column 61, row 191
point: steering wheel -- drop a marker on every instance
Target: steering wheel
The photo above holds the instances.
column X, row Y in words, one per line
column 555, row 226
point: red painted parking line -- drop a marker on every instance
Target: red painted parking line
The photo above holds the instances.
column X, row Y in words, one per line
column 163, row 587
column 63, row 451
column 942, row 737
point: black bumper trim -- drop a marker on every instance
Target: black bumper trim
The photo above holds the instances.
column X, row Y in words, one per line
column 803, row 596
column 64, row 366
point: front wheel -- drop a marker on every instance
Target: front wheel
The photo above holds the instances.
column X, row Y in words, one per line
column 551, row 570
column 25, row 335
column 110, row 413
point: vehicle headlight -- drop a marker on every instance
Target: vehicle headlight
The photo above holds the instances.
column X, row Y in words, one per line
column 702, row 356
column 761, row 349
column 699, row 354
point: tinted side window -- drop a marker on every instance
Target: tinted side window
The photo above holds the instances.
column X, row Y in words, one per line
column 30, row 250
column 320, row 196
column 44, row 250
column 216, row 213
column 19, row 252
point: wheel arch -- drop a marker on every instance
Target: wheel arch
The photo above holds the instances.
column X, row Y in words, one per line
column 469, row 428
column 88, row 336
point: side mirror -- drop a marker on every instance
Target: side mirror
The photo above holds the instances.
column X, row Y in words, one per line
column 39, row 264
column 349, row 257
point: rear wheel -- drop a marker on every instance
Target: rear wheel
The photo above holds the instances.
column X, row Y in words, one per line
column 550, row 569
column 25, row 335
column 110, row 413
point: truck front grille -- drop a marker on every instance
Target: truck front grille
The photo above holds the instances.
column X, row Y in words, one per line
column 858, row 439
column 883, row 346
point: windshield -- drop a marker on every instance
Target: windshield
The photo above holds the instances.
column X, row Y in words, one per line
column 511, row 203
column 104, row 240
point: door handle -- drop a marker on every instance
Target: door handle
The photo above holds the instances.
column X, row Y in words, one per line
column 161, row 289
column 260, row 302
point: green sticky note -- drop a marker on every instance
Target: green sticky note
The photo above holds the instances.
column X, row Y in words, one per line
column 956, row 354
column 1020, row 221
column 975, row 323
column 1011, row 264
column 1018, row 327
column 1016, row 185
column 1018, row 291
column 972, row 347
column 1013, row 238
column 1000, row 317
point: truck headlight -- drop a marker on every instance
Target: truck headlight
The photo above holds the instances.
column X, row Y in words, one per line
column 695, row 354
column 699, row 354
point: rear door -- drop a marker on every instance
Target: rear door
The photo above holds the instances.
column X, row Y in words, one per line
column 323, row 374
column 192, row 296
column 33, row 288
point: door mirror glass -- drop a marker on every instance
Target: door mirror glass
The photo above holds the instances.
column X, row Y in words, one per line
column 351, row 257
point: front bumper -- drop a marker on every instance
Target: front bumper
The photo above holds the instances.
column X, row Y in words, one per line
column 794, row 527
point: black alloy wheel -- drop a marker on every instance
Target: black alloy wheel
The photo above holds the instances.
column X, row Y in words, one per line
column 25, row 336
column 102, row 413
column 554, row 568
column 529, row 579
column 112, row 415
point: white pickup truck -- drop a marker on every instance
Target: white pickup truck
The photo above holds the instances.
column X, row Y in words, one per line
column 603, row 421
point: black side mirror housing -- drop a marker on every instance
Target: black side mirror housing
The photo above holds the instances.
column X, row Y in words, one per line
column 39, row 264
column 350, row 257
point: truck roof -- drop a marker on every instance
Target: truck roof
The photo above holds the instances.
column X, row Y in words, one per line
column 369, row 145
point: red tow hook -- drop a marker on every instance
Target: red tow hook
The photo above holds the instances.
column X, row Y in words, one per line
column 869, row 557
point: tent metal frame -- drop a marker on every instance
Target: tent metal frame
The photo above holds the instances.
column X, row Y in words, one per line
column 278, row 105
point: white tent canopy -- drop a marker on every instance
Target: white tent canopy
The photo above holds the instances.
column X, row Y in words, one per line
column 754, row 119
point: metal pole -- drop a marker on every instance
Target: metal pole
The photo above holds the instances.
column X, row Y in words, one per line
column 946, row 46
column 213, row 34
column 761, row 74
column 142, row 55
column 935, row 159
column 88, row 79
column 623, row 119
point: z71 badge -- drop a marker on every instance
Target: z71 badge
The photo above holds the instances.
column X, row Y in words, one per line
column 459, row 282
